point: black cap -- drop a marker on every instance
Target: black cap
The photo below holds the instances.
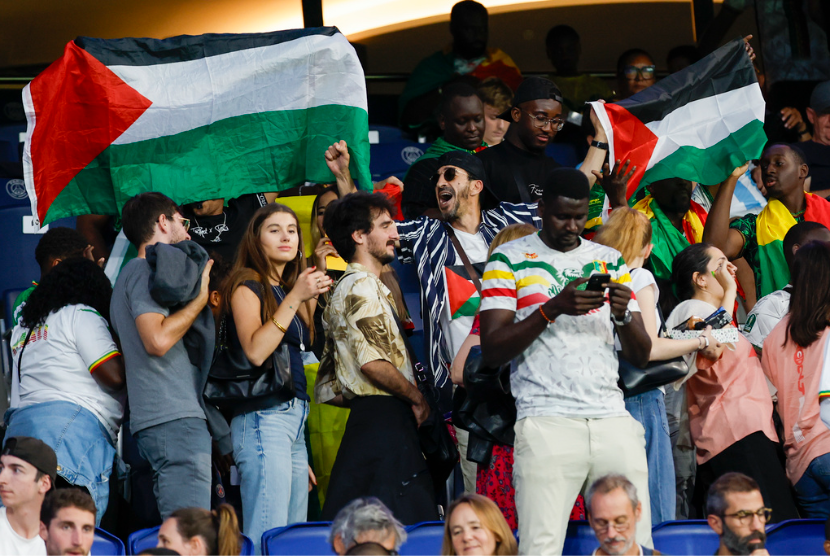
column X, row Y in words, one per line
column 533, row 88
column 35, row 452
column 470, row 163
column 820, row 98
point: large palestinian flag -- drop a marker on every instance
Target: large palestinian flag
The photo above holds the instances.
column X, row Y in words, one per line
column 698, row 124
column 193, row 117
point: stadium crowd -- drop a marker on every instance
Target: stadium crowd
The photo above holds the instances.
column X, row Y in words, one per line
column 587, row 356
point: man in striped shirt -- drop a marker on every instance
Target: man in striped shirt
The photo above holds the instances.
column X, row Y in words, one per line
column 572, row 425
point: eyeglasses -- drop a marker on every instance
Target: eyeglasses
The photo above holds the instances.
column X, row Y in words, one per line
column 449, row 175
column 540, row 121
column 645, row 72
column 764, row 514
column 601, row 525
column 185, row 223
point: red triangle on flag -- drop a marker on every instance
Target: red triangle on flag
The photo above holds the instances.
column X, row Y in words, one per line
column 80, row 107
column 459, row 290
column 632, row 141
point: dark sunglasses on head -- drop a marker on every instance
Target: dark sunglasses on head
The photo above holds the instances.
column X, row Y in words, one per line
column 645, row 72
column 449, row 175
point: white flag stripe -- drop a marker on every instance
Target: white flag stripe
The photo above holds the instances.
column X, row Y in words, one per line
column 28, row 169
column 701, row 123
column 295, row 75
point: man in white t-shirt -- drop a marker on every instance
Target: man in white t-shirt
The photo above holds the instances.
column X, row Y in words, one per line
column 572, row 426
column 770, row 309
column 67, row 522
column 27, row 472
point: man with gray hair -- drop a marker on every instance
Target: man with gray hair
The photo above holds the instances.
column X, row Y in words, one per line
column 366, row 520
column 613, row 512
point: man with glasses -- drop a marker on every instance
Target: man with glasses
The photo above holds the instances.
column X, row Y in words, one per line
column 613, row 513
column 167, row 418
column 518, row 166
column 736, row 512
column 635, row 73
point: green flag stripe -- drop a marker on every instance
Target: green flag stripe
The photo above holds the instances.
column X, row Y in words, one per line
column 774, row 272
column 469, row 308
column 229, row 158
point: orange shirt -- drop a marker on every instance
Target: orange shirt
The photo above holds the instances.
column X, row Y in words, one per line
column 796, row 373
column 728, row 400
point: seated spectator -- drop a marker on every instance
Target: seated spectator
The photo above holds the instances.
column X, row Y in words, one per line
column 468, row 55
column 219, row 228
column 566, row 393
column 368, row 548
column 461, row 117
column 635, row 73
column 793, row 362
column 758, row 238
column 681, row 57
column 614, row 513
column 497, row 97
column 56, row 245
column 68, row 375
column 271, row 297
column 199, row 532
column 67, row 522
column 629, row 232
column 817, row 150
column 363, row 521
column 27, row 472
column 474, row 525
column 164, row 384
column 730, row 408
column 564, row 48
column 772, row 308
column 736, row 511
column 367, row 367
column 517, row 167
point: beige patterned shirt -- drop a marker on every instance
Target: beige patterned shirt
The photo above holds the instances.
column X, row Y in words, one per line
column 360, row 328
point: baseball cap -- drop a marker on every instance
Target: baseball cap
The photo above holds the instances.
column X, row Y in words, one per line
column 35, row 452
column 467, row 162
column 820, row 99
column 533, row 88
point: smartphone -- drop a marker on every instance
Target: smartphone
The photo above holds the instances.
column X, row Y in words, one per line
column 716, row 320
column 597, row 282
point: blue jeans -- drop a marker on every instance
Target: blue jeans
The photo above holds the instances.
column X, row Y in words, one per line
column 82, row 444
column 179, row 452
column 813, row 489
column 649, row 409
column 270, row 453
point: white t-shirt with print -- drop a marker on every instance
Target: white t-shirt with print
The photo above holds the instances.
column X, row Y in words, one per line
column 459, row 309
column 765, row 315
column 12, row 543
column 59, row 360
column 571, row 369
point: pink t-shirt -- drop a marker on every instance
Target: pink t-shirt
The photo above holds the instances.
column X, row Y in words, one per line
column 796, row 373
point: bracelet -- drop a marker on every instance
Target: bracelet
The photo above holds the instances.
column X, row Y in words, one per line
column 280, row 327
column 802, row 133
column 703, row 346
column 544, row 316
column 600, row 145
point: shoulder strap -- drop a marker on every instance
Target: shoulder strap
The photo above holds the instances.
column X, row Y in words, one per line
column 262, row 200
column 417, row 367
column 520, row 184
column 464, row 259
column 20, row 355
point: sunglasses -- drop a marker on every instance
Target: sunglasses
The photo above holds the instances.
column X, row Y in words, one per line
column 645, row 72
column 449, row 175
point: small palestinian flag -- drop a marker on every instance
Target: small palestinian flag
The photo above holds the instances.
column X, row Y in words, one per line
column 697, row 124
column 461, row 292
column 193, row 117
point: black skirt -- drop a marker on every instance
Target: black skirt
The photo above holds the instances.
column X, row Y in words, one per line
column 380, row 456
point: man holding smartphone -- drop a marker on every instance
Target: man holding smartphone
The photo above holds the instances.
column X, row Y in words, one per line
column 536, row 310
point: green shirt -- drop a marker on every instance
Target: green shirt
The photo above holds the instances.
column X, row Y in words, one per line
column 747, row 225
column 17, row 309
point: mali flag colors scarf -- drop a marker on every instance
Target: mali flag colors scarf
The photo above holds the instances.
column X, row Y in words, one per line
column 772, row 225
column 669, row 241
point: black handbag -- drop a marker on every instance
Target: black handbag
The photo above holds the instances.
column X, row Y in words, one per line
column 634, row 380
column 233, row 379
column 437, row 444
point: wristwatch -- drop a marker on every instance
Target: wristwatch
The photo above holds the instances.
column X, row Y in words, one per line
column 623, row 321
column 599, row 145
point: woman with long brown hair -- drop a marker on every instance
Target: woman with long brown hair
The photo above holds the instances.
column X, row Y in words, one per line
column 199, row 532
column 270, row 297
column 475, row 525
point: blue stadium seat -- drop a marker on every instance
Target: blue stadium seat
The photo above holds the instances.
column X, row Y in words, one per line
column 395, row 158
column 796, row 536
column 10, row 147
column 106, row 544
column 387, row 133
column 13, row 193
column 300, row 539
column 693, row 537
column 579, row 539
column 148, row 538
column 423, row 539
